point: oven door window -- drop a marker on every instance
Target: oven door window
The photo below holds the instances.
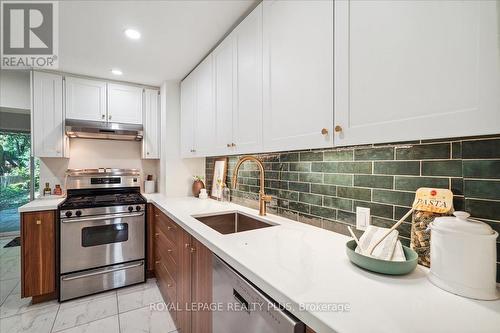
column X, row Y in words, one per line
column 104, row 234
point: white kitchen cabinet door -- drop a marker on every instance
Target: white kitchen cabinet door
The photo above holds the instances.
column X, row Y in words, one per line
column 224, row 81
column 204, row 135
column 247, row 113
column 188, row 109
column 298, row 74
column 124, row 104
column 47, row 121
column 151, row 124
column 408, row 70
column 85, row 99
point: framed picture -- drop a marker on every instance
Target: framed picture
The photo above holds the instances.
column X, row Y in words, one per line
column 220, row 172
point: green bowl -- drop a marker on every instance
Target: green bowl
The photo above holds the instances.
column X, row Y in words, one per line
column 382, row 266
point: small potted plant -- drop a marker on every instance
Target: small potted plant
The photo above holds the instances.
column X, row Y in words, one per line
column 197, row 185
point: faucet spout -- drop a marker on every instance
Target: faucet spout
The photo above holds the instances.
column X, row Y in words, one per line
column 263, row 198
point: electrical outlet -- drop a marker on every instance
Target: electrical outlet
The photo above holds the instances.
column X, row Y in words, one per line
column 362, row 218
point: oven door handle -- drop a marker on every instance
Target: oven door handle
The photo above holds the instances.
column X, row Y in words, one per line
column 74, row 277
column 101, row 217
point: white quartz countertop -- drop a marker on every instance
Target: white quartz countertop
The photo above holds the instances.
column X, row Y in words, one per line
column 297, row 264
column 50, row 203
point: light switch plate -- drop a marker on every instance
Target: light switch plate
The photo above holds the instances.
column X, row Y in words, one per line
column 362, row 218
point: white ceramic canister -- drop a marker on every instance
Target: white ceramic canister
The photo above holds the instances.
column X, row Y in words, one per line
column 463, row 256
column 149, row 186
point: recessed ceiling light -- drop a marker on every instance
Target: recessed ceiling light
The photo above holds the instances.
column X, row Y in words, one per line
column 116, row 71
column 132, row 34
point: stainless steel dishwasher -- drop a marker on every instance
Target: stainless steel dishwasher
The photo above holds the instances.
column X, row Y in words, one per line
column 245, row 309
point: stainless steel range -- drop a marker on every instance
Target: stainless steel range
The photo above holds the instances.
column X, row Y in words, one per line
column 102, row 232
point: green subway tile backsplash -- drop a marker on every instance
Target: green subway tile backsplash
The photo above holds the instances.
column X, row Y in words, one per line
column 477, row 149
column 339, row 155
column 482, row 189
column 397, row 168
column 323, row 187
column 386, row 153
column 489, row 169
column 424, row 152
column 374, row 181
column 310, row 177
column 336, row 202
column 338, row 179
column 311, row 156
column 413, row 183
column 451, row 168
column 393, row 197
column 354, row 193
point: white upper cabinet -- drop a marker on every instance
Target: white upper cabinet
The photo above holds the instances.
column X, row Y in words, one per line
column 85, row 99
column 204, row 135
column 188, row 109
column 298, row 74
column 247, row 115
column 124, row 104
column 151, row 124
column 48, row 139
column 224, row 81
column 238, row 88
column 408, row 70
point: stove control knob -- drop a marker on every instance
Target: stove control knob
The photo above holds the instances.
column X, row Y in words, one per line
column 137, row 208
column 78, row 213
column 68, row 213
column 130, row 208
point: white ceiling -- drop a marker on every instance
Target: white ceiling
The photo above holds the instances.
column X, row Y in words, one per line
column 176, row 35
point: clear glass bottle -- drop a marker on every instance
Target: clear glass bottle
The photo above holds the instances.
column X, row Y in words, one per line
column 226, row 194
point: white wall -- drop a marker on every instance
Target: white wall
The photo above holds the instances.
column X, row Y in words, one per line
column 176, row 173
column 89, row 153
column 15, row 89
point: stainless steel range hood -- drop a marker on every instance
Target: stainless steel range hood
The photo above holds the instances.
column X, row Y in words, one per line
column 103, row 130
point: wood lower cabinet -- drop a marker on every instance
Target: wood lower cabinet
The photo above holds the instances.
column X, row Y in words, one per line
column 150, row 238
column 38, row 255
column 201, row 286
column 183, row 269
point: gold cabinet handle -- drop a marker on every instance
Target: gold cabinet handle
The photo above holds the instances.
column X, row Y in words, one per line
column 157, row 262
column 169, row 227
column 157, row 234
column 187, row 245
column 156, row 215
column 324, row 131
column 169, row 250
column 38, row 222
column 169, row 285
column 338, row 129
column 192, row 250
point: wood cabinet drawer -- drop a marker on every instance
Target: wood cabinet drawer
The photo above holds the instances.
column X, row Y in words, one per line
column 165, row 245
column 166, row 283
column 165, row 224
column 171, row 266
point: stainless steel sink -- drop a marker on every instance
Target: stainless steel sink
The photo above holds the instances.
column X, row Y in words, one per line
column 230, row 223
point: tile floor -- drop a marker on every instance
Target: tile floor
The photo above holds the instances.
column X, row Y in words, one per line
column 125, row 310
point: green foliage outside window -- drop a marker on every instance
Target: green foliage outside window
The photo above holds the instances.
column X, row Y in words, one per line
column 15, row 169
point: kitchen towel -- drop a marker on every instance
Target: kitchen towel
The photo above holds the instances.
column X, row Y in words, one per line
column 372, row 235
